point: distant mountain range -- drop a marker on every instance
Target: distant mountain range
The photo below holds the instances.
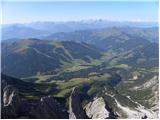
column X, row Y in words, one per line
column 106, row 34
column 41, row 29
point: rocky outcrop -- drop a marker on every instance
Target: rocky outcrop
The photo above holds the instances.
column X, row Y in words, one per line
column 75, row 108
column 152, row 82
column 10, row 96
column 153, row 98
column 11, row 102
column 97, row 109
column 48, row 108
column 13, row 106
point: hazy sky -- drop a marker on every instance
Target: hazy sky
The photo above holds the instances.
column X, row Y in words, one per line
column 21, row 12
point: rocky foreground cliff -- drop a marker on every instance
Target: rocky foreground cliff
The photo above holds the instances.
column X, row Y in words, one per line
column 97, row 107
column 13, row 106
column 48, row 107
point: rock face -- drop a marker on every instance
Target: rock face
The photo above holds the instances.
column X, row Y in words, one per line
column 151, row 83
column 13, row 106
column 11, row 102
column 97, row 109
column 153, row 100
column 48, row 108
column 75, row 108
column 10, row 96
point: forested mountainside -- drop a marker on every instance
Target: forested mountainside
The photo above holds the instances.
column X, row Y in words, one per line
column 102, row 73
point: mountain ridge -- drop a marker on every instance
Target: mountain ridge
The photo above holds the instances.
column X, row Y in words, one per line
column 31, row 30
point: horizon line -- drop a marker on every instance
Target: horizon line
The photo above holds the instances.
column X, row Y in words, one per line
column 82, row 20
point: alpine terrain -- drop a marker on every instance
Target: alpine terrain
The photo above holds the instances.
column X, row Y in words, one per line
column 85, row 73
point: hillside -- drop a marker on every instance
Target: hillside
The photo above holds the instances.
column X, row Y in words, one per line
column 98, row 36
column 35, row 56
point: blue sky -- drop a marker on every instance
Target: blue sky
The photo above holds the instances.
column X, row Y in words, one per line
column 22, row 12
